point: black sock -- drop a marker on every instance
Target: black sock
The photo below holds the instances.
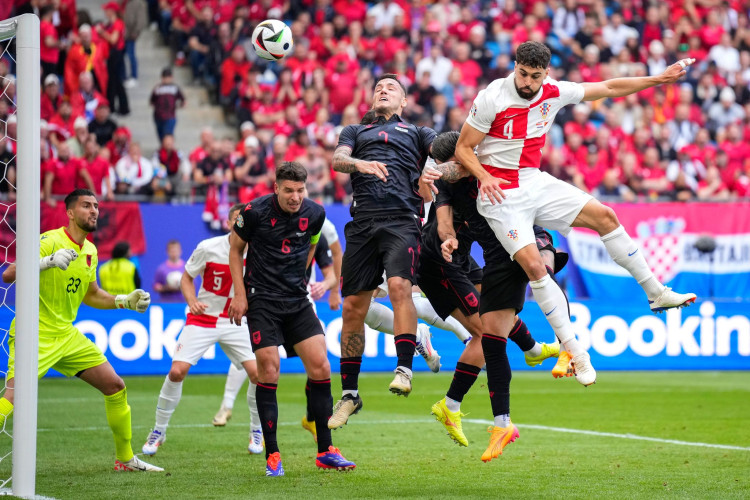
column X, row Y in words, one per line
column 310, row 416
column 463, row 378
column 321, row 403
column 406, row 343
column 268, row 410
column 498, row 373
column 521, row 336
column 350, row 373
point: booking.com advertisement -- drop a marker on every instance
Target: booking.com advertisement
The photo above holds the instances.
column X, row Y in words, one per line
column 706, row 336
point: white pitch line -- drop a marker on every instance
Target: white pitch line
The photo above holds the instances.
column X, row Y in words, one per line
column 634, row 437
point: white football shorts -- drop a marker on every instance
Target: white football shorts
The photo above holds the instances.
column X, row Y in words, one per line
column 539, row 199
column 194, row 341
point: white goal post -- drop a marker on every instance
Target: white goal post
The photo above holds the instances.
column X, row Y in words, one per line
column 25, row 29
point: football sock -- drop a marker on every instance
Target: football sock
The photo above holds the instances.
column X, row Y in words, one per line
column 310, row 415
column 252, row 404
column 427, row 313
column 551, row 273
column 498, row 373
column 627, row 255
column 268, row 409
column 235, row 379
column 380, row 318
column 321, row 403
column 118, row 418
column 6, row 409
column 169, row 398
column 350, row 375
column 406, row 344
column 502, row 420
column 521, row 336
column 552, row 302
column 463, row 378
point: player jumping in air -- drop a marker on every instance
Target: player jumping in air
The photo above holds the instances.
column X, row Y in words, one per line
column 207, row 323
column 507, row 125
column 67, row 277
column 282, row 231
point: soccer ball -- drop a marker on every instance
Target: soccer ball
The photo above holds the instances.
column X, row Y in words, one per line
column 272, row 40
column 173, row 279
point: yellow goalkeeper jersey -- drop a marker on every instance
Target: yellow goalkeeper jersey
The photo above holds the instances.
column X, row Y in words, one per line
column 61, row 292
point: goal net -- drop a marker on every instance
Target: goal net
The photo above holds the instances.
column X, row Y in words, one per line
column 19, row 244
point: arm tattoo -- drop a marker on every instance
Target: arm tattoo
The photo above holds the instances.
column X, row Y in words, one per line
column 452, row 171
column 343, row 161
column 352, row 343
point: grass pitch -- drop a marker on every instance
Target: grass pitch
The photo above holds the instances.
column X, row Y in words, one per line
column 632, row 435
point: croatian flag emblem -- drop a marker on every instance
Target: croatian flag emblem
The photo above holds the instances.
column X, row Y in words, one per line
column 544, row 108
column 513, row 234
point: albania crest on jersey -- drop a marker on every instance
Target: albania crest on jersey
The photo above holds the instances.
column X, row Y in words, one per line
column 303, row 223
column 545, row 109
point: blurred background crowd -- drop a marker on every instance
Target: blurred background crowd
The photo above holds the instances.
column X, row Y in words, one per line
column 680, row 142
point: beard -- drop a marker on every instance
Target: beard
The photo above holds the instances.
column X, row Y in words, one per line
column 525, row 92
column 87, row 226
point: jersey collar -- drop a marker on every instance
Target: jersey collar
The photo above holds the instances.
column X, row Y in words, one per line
column 394, row 117
column 71, row 238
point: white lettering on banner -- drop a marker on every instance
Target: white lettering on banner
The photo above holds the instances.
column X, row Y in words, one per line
column 161, row 338
column 125, row 327
column 94, row 329
column 676, row 336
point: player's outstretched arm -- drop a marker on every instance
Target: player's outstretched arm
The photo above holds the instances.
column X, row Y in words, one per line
column 620, row 87
column 238, row 305
column 343, row 162
column 137, row 300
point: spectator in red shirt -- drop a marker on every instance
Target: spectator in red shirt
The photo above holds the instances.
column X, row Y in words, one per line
column 234, row 72
column 86, row 53
column 580, row 124
column 590, row 67
column 49, row 50
column 96, row 164
column 324, row 44
column 470, row 70
column 266, row 113
column 286, row 93
column 61, row 175
column 61, row 123
column 651, row 29
column 462, row 28
column 711, row 30
column 51, row 98
column 201, row 150
column 342, row 83
column 574, row 151
column 309, row 106
column 593, row 169
column 113, row 32
column 712, row 187
column 252, row 173
column 352, row 10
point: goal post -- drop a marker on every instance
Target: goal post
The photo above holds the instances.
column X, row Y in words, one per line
column 25, row 28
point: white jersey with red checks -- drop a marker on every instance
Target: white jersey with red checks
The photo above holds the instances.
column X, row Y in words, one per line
column 517, row 128
column 210, row 259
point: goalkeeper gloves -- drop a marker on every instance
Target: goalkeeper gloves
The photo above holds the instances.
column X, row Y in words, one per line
column 137, row 300
column 60, row 259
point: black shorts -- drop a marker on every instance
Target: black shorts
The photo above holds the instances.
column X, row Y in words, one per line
column 375, row 244
column 447, row 287
column 544, row 242
column 503, row 287
column 475, row 271
column 276, row 322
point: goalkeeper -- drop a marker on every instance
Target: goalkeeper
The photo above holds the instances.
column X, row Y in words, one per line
column 67, row 277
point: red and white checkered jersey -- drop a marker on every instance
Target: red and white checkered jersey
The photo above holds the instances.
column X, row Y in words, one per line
column 516, row 128
column 210, row 259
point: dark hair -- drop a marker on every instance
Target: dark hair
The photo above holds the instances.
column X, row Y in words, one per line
column 236, row 207
column 444, row 146
column 390, row 76
column 533, row 54
column 72, row 198
column 173, row 242
column 368, row 118
column 291, row 171
column 120, row 250
column 166, row 72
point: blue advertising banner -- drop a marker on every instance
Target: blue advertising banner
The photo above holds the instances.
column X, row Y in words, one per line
column 707, row 336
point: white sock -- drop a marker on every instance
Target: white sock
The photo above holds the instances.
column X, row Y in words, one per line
column 254, row 417
column 452, row 404
column 352, row 392
column 405, row 370
column 379, row 317
column 235, row 378
column 169, row 398
column 426, row 313
column 536, row 350
column 502, row 420
column 552, row 302
column 627, row 255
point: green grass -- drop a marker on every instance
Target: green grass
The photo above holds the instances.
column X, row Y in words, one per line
column 401, row 452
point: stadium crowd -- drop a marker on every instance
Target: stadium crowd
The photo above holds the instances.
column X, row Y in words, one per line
column 681, row 142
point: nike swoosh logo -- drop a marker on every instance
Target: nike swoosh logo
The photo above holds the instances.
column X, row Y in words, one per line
column 631, row 254
column 219, row 272
column 553, row 310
